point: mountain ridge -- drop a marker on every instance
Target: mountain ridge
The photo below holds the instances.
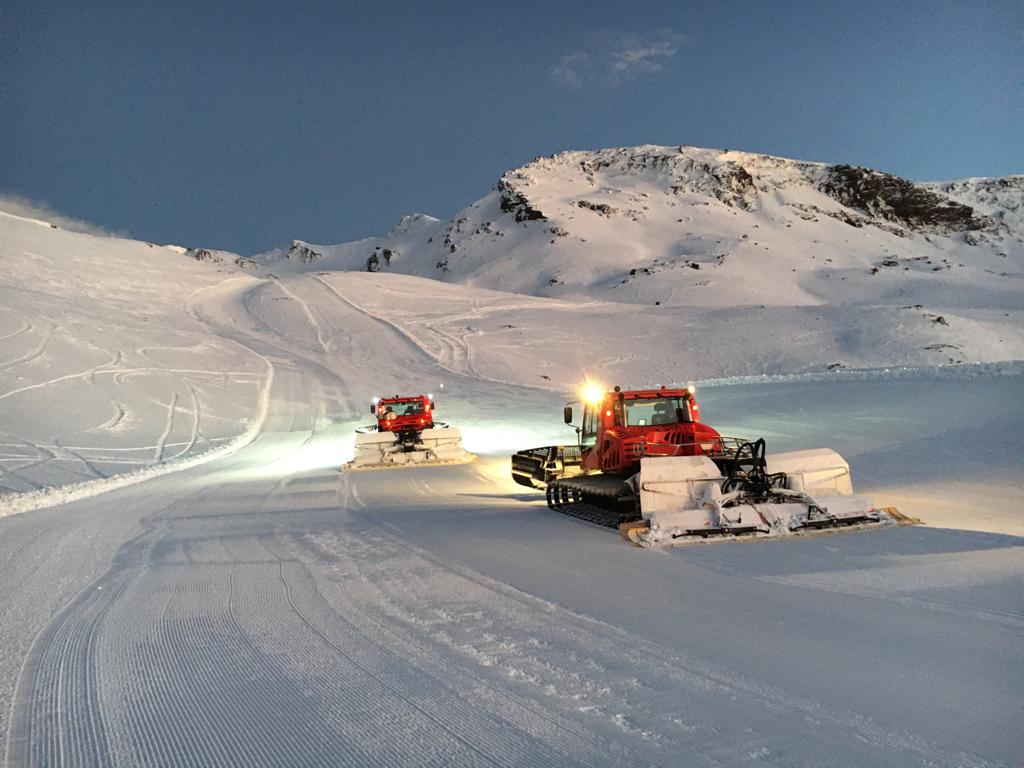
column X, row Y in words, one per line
column 704, row 227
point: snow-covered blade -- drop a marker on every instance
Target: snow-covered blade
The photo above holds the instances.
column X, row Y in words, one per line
column 440, row 445
column 683, row 499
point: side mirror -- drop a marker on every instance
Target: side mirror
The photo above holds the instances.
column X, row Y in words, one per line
column 373, row 408
column 567, row 413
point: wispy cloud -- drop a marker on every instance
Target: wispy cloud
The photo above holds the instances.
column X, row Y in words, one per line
column 34, row 209
column 612, row 58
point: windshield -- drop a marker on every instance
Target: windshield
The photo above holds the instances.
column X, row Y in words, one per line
column 409, row 408
column 656, row 410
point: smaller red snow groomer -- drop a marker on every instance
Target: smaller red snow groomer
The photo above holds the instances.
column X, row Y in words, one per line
column 646, row 463
column 406, row 434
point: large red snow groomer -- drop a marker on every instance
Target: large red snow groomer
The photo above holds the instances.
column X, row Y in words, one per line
column 646, row 463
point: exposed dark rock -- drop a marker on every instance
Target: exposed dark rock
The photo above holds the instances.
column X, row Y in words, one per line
column 201, row 254
column 380, row 259
column 857, row 220
column 513, row 201
column 603, row 208
column 303, row 253
column 736, row 185
column 727, row 181
column 889, row 197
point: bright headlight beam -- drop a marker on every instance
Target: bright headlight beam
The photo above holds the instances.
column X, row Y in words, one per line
column 592, row 393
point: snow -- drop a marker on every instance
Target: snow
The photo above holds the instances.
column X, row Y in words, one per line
column 199, row 584
column 98, row 382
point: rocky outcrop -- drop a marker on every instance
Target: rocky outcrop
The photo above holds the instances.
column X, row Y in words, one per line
column 727, row 181
column 201, row 254
column 891, row 198
column 685, row 171
column 1001, row 200
column 603, row 208
column 380, row 259
column 299, row 251
column 513, row 200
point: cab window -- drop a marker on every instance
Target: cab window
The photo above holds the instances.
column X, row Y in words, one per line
column 656, row 410
column 588, row 433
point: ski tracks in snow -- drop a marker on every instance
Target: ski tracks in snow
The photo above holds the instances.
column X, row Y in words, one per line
column 45, row 497
column 316, row 324
column 456, row 357
column 33, row 353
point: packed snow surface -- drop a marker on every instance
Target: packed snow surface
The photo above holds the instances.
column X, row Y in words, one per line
column 214, row 591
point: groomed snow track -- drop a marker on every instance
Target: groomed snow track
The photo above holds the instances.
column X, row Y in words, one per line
column 265, row 609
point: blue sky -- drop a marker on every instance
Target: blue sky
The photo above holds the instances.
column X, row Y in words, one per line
column 244, row 125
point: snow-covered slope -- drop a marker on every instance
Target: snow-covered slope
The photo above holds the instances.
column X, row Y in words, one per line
column 104, row 365
column 1001, row 200
column 637, row 265
column 713, row 228
column 769, row 264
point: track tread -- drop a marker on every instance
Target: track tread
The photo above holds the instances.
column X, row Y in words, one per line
column 606, row 500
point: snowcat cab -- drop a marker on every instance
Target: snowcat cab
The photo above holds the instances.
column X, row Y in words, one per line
column 646, row 463
column 618, row 428
column 405, row 433
column 404, row 416
column 621, row 427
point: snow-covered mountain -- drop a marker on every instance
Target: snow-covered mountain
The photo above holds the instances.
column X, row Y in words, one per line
column 640, row 266
column 715, row 228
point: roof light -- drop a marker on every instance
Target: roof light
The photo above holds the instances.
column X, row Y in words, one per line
column 592, row 393
column 376, row 400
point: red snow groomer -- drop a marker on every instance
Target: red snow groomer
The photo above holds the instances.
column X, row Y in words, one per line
column 406, row 433
column 645, row 462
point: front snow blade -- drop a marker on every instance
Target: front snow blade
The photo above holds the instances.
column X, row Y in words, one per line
column 536, row 467
column 384, row 450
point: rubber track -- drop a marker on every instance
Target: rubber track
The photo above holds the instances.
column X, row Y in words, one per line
column 599, row 499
